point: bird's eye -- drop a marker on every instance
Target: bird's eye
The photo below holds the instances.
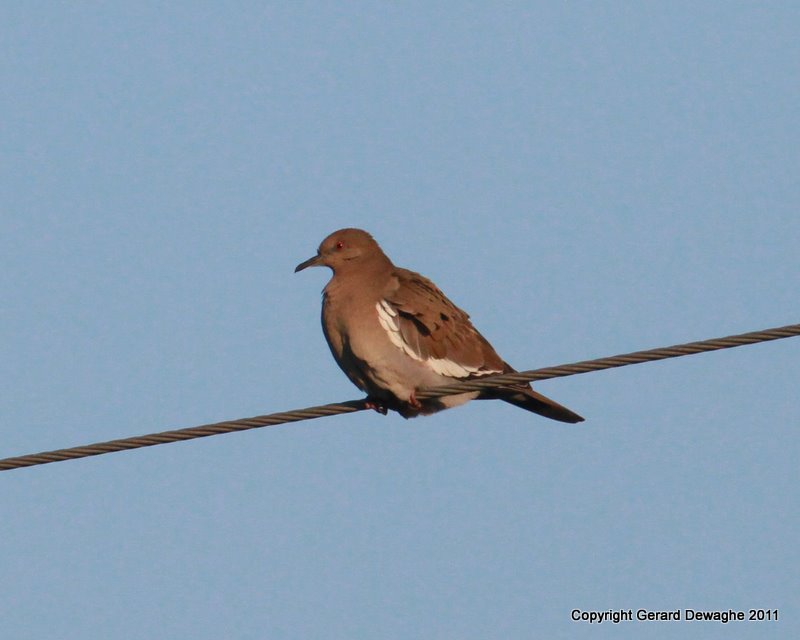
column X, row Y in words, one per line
column 339, row 245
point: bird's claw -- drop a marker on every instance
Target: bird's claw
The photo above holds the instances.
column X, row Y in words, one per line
column 376, row 406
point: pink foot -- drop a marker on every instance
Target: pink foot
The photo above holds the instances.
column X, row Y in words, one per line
column 376, row 406
column 413, row 402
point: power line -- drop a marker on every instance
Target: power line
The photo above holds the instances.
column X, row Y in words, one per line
column 310, row 413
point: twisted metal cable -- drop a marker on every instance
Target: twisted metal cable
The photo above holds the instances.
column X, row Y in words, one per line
column 322, row 411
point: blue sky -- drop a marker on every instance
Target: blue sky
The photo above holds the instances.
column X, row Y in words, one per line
column 584, row 179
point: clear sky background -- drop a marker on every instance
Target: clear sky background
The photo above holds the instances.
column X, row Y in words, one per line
column 584, row 178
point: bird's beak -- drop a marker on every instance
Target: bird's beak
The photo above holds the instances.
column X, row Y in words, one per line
column 311, row 262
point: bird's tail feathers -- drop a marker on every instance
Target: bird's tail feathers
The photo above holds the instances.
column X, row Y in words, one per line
column 526, row 398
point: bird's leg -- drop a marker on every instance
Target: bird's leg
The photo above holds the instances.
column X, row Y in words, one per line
column 376, row 405
column 413, row 402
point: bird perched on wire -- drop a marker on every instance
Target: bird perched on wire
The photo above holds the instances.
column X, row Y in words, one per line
column 393, row 332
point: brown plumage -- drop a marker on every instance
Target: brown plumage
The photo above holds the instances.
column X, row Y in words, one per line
column 393, row 332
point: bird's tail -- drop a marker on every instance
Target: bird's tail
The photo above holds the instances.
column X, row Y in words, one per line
column 527, row 398
column 524, row 397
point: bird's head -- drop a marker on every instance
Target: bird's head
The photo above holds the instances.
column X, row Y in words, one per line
column 344, row 249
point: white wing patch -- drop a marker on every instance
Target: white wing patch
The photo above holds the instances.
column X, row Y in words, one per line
column 444, row 367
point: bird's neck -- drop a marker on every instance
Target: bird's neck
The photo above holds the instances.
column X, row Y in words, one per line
column 366, row 279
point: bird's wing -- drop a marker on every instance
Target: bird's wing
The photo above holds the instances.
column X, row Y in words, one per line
column 421, row 321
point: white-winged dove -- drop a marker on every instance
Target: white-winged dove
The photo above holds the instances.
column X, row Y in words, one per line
column 394, row 333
